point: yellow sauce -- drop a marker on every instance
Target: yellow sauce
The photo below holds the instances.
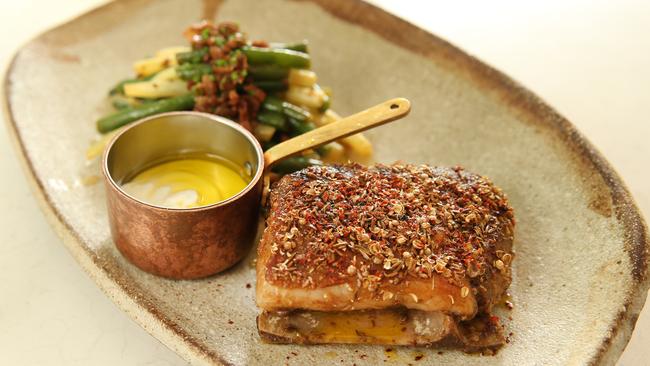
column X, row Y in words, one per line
column 384, row 327
column 187, row 183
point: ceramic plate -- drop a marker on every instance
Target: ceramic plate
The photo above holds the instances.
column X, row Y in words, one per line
column 580, row 276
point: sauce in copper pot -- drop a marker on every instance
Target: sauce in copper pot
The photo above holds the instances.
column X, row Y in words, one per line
column 187, row 182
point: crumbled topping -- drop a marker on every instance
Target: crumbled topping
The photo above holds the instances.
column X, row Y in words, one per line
column 385, row 224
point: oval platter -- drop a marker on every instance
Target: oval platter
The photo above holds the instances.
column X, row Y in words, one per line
column 581, row 272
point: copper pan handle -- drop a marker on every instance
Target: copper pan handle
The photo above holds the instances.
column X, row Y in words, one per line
column 380, row 114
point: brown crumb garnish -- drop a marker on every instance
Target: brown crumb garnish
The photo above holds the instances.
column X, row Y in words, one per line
column 226, row 91
column 385, row 224
column 248, row 285
column 231, row 322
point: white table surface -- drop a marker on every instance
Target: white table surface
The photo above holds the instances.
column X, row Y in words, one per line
column 589, row 59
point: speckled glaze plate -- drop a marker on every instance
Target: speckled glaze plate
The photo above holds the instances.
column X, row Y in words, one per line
column 581, row 272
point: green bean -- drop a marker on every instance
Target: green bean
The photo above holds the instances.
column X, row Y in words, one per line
column 270, row 86
column 193, row 72
column 299, row 46
column 273, row 104
column 120, row 102
column 323, row 150
column 327, row 102
column 141, row 101
column 268, row 72
column 300, row 127
column 274, row 119
column 292, row 164
column 281, row 57
column 121, row 118
column 119, row 88
column 192, row 57
column 295, row 112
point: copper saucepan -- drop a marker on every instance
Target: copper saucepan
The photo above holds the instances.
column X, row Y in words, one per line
column 198, row 242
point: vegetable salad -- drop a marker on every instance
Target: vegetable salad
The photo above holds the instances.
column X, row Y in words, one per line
column 269, row 88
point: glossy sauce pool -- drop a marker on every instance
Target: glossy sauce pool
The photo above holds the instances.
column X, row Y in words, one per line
column 187, row 182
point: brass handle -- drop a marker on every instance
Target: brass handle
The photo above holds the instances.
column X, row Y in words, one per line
column 385, row 112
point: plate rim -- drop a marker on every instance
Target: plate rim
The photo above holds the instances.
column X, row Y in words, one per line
column 393, row 29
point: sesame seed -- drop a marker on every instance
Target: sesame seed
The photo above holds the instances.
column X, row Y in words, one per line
column 464, row 291
column 352, row 270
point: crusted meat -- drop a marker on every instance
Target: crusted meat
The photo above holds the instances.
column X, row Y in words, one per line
column 350, row 238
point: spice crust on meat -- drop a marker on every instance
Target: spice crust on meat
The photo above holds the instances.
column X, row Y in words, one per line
column 386, row 224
